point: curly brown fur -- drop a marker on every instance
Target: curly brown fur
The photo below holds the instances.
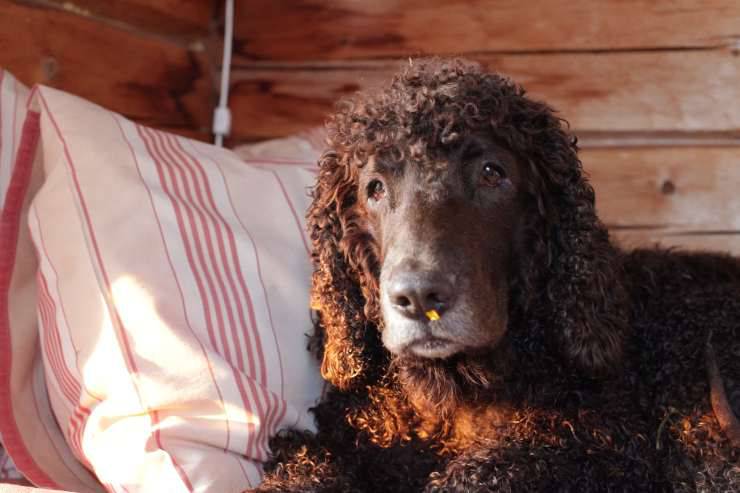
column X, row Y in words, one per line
column 577, row 366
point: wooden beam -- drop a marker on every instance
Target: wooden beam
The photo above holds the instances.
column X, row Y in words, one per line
column 677, row 91
column 350, row 29
column 149, row 80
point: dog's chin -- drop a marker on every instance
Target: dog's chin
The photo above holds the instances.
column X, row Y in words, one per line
column 433, row 348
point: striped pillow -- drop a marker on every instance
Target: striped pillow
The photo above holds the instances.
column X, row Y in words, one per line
column 170, row 284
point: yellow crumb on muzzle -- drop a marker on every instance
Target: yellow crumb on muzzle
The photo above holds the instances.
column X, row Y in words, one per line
column 432, row 315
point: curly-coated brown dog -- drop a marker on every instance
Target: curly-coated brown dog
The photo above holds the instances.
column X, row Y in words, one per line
column 479, row 329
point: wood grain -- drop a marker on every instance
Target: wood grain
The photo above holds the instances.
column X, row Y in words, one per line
column 149, row 80
column 677, row 197
column 720, row 241
column 677, row 91
column 184, row 20
column 351, row 29
column 671, row 189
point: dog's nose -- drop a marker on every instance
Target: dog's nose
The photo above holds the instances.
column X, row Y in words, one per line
column 415, row 294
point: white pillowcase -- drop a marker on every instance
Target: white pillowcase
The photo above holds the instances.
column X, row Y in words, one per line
column 157, row 307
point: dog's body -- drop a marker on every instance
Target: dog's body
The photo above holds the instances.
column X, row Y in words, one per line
column 481, row 331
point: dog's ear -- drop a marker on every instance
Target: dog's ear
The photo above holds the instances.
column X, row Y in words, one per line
column 345, row 285
column 581, row 292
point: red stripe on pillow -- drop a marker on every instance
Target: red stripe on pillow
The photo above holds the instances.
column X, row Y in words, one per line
column 80, row 413
column 192, row 173
column 115, row 317
column 70, row 387
column 197, row 167
column 292, row 211
column 192, row 243
column 178, row 203
column 278, row 406
column 259, row 269
column 201, row 188
column 193, row 240
column 204, row 353
column 9, row 229
column 15, row 114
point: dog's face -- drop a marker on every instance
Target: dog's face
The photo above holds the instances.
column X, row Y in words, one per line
column 446, row 223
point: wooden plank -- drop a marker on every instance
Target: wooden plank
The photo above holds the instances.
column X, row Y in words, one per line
column 686, row 91
column 726, row 242
column 675, row 197
column 677, row 91
column 671, row 190
column 147, row 79
column 636, row 138
column 351, row 29
column 183, row 19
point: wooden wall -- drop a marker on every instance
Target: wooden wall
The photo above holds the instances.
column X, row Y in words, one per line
column 147, row 59
column 652, row 88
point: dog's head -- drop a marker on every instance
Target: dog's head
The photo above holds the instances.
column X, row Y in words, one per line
column 445, row 203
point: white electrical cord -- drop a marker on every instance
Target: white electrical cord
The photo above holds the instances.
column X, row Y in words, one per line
column 222, row 114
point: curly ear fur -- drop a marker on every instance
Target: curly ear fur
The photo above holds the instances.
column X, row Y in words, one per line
column 585, row 300
column 345, row 274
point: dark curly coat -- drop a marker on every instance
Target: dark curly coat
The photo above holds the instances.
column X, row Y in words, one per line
column 594, row 369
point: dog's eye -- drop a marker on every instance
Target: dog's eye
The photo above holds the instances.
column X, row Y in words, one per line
column 491, row 174
column 376, row 190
